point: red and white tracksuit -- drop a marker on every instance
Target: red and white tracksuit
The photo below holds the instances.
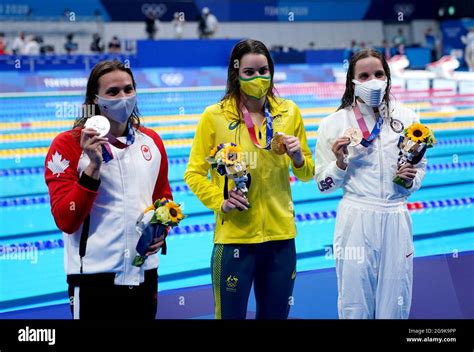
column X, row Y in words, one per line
column 129, row 183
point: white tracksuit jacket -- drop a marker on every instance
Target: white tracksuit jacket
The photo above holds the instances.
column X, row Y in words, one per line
column 130, row 182
column 373, row 242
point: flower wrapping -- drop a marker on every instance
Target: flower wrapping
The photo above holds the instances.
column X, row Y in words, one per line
column 153, row 223
column 413, row 144
column 226, row 158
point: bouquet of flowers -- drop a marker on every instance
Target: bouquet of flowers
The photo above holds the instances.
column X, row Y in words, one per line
column 153, row 223
column 226, row 158
column 413, row 144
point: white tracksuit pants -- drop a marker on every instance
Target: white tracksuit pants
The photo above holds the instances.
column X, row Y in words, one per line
column 373, row 248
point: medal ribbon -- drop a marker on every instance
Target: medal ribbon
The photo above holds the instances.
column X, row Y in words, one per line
column 368, row 138
column 107, row 151
column 251, row 127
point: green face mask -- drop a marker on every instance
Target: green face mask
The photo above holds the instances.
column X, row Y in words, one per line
column 255, row 87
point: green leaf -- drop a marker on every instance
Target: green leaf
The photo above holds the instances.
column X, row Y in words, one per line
column 400, row 181
column 138, row 260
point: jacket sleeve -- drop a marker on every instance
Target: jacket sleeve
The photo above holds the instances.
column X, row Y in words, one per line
column 162, row 186
column 420, row 167
column 328, row 176
column 306, row 171
column 71, row 195
column 196, row 174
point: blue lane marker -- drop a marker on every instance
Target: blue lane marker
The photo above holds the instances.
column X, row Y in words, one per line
column 321, row 215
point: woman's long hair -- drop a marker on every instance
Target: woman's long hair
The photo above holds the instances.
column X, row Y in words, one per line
column 89, row 107
column 348, row 97
column 245, row 47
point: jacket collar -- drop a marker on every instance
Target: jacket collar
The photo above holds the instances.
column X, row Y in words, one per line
column 229, row 106
column 364, row 109
column 368, row 111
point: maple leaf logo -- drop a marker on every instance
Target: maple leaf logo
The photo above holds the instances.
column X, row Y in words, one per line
column 57, row 164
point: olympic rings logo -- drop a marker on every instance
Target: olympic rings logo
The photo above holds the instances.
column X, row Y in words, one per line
column 172, row 79
column 156, row 10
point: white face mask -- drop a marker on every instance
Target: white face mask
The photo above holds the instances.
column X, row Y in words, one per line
column 371, row 92
column 119, row 109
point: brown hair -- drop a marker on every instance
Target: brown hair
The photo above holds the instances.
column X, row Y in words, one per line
column 348, row 97
column 92, row 89
column 246, row 46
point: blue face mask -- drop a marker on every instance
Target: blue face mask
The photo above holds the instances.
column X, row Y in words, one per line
column 119, row 109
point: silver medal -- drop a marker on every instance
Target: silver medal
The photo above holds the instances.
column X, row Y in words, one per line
column 99, row 123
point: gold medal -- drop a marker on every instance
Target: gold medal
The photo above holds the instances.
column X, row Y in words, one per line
column 355, row 136
column 277, row 144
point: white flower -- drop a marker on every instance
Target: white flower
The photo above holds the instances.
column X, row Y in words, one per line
column 162, row 215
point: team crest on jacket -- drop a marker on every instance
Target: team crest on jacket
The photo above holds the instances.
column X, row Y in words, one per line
column 146, row 152
column 233, row 125
column 57, row 164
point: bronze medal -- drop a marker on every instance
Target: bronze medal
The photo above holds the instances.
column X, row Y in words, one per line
column 355, row 136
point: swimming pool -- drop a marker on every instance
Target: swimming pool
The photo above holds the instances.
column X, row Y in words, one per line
column 442, row 210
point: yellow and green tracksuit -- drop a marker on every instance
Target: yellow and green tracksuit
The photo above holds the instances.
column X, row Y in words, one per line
column 271, row 215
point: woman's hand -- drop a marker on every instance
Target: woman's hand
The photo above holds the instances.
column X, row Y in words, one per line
column 293, row 149
column 407, row 172
column 91, row 145
column 339, row 148
column 236, row 200
column 155, row 247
